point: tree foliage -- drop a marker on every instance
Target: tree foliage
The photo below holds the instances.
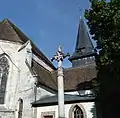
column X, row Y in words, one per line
column 104, row 24
column 103, row 19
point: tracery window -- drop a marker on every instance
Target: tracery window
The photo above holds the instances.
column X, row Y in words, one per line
column 4, row 70
column 78, row 113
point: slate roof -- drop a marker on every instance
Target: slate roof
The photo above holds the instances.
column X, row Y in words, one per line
column 74, row 78
column 84, row 46
column 9, row 32
column 45, row 77
column 79, row 78
column 53, row 100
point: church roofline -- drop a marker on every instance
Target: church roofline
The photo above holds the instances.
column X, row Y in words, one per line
column 69, row 99
column 24, row 39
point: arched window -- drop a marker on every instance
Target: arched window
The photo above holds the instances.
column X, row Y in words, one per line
column 20, row 107
column 78, row 113
column 4, row 70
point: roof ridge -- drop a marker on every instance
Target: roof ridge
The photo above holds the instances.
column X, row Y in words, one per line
column 12, row 36
column 4, row 20
column 34, row 47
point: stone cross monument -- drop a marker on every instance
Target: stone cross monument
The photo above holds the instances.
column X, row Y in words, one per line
column 59, row 57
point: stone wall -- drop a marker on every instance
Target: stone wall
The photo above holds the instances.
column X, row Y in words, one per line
column 7, row 115
column 87, row 107
column 20, row 82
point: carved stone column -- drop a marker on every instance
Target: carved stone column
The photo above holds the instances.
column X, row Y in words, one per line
column 59, row 57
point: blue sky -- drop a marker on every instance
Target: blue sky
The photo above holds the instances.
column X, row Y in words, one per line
column 47, row 22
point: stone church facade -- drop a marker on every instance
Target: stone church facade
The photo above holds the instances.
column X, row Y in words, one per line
column 28, row 80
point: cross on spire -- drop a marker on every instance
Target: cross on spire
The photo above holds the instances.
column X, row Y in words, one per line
column 81, row 12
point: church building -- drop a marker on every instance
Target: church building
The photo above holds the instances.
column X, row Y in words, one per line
column 28, row 79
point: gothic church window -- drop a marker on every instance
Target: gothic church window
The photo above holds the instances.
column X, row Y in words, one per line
column 78, row 113
column 4, row 70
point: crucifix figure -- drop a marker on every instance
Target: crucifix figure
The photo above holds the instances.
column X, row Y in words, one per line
column 59, row 57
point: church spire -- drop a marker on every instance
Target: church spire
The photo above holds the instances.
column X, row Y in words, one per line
column 83, row 43
column 84, row 47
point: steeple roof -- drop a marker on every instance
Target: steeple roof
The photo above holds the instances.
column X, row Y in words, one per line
column 84, row 46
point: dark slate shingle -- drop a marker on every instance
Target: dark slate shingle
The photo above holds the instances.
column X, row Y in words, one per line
column 84, row 46
column 53, row 100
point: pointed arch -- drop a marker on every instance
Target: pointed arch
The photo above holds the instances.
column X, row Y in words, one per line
column 77, row 111
column 4, row 71
column 20, row 107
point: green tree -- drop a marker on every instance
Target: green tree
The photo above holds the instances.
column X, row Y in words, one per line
column 103, row 19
